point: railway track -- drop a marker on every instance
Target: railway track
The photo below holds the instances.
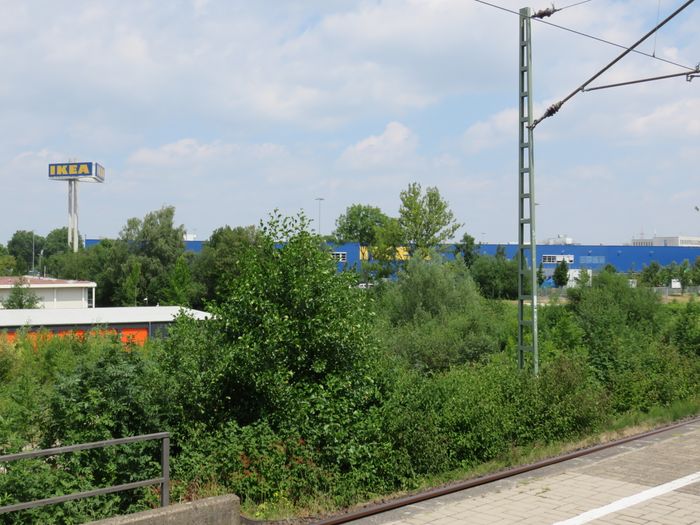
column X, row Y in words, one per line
column 379, row 508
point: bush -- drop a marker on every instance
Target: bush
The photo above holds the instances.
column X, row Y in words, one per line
column 78, row 389
column 434, row 318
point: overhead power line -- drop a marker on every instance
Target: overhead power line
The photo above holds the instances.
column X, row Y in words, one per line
column 574, row 5
column 554, row 108
column 586, row 35
column 688, row 76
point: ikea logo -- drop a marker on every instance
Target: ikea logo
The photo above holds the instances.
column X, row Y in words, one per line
column 75, row 169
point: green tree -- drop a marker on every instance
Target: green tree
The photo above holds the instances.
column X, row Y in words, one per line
column 359, row 223
column 497, row 276
column 609, row 268
column 540, row 275
column 105, row 263
column 182, row 289
column 469, row 249
column 386, row 251
column 221, row 258
column 695, row 272
column 131, row 283
column 684, row 273
column 25, row 247
column 425, row 218
column 291, row 335
column 7, row 261
column 69, row 265
column 561, row 274
column 21, row 296
column 651, row 275
column 584, row 278
column 157, row 244
column 57, row 242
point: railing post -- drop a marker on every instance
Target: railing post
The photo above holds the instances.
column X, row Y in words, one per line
column 165, row 472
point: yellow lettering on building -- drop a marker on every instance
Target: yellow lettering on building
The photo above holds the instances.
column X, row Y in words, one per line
column 62, row 169
column 52, row 169
column 72, row 169
column 83, row 169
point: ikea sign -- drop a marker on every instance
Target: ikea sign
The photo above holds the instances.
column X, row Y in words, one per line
column 77, row 170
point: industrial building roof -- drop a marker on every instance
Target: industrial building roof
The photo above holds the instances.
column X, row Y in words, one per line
column 95, row 316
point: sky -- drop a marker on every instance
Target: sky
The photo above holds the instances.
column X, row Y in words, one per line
column 228, row 110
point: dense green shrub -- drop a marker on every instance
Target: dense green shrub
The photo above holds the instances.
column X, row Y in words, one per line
column 613, row 317
column 288, row 327
column 686, row 329
column 66, row 390
column 434, row 317
column 428, row 288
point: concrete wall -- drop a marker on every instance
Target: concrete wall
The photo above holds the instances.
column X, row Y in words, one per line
column 221, row 510
column 50, row 298
column 62, row 297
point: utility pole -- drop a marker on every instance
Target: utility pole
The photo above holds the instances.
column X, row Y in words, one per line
column 527, row 313
column 527, row 323
column 319, row 199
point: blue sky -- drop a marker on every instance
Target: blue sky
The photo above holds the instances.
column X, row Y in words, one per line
column 229, row 109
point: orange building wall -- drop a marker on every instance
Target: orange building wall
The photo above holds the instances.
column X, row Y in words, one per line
column 127, row 335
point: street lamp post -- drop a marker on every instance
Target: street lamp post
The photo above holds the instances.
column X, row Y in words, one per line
column 318, row 227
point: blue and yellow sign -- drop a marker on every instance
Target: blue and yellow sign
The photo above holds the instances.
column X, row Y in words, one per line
column 77, row 170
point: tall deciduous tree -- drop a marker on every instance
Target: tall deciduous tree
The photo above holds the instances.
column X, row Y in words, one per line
column 290, row 335
column 388, row 242
column 25, row 246
column 497, row 276
column 182, row 289
column 7, row 262
column 222, row 256
column 469, row 249
column 359, row 223
column 157, row 244
column 57, row 242
column 425, row 218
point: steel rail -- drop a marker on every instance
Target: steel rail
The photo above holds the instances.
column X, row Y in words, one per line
column 79, row 495
column 490, row 478
column 163, row 480
column 82, row 446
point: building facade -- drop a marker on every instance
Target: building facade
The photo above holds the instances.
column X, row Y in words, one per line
column 53, row 293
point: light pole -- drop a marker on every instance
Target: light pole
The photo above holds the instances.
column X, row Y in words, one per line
column 318, row 227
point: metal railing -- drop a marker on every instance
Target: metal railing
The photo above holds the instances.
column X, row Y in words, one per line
column 163, row 480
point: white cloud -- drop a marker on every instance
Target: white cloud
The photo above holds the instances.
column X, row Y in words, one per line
column 678, row 118
column 497, row 129
column 394, row 148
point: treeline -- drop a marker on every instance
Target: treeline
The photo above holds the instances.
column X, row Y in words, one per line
column 305, row 393
column 147, row 263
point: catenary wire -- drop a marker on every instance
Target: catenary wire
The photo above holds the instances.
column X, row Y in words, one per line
column 689, row 77
column 580, row 33
column 554, row 108
column 574, row 5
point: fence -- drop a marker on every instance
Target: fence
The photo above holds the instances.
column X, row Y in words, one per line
column 163, row 480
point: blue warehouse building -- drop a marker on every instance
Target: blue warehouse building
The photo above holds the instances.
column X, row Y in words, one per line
column 594, row 257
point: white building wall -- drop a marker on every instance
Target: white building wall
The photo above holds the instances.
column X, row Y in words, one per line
column 52, row 298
